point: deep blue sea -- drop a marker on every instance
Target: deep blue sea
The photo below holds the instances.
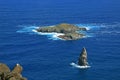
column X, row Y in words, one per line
column 44, row 57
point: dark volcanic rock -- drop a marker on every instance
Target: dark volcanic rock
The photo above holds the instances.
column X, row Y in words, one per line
column 82, row 61
column 15, row 74
column 71, row 32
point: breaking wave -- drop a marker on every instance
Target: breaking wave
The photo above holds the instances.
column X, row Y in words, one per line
column 77, row 66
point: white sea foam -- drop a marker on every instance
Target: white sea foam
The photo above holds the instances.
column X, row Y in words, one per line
column 27, row 29
column 51, row 35
column 87, row 28
column 77, row 66
column 91, row 26
column 87, row 35
column 34, row 30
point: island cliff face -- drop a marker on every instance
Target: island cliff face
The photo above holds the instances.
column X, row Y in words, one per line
column 7, row 74
column 82, row 61
column 71, row 32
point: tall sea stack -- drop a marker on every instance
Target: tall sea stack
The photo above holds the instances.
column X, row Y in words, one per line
column 82, row 61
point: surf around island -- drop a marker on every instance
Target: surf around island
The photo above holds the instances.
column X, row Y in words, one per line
column 66, row 31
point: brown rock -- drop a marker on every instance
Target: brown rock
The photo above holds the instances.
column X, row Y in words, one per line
column 12, row 78
column 15, row 74
column 17, row 69
column 4, row 68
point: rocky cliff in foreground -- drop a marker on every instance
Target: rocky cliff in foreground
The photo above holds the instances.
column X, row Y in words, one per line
column 7, row 74
column 71, row 32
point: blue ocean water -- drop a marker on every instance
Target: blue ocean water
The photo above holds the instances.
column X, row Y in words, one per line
column 47, row 58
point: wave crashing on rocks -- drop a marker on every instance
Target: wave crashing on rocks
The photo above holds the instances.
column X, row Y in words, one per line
column 78, row 66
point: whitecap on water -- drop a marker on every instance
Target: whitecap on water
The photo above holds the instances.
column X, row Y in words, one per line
column 77, row 66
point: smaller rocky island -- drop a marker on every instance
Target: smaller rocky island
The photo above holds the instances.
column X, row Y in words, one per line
column 82, row 61
column 7, row 74
column 69, row 31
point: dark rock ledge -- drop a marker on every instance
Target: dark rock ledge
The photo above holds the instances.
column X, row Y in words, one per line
column 71, row 32
column 7, row 74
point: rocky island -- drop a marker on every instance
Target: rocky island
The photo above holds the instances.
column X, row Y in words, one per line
column 82, row 61
column 7, row 74
column 69, row 31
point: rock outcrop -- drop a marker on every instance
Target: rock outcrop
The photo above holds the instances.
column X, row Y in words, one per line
column 4, row 68
column 17, row 69
column 71, row 32
column 82, row 61
column 15, row 74
column 71, row 36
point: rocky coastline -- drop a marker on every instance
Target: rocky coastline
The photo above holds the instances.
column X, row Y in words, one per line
column 71, row 32
column 14, row 74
